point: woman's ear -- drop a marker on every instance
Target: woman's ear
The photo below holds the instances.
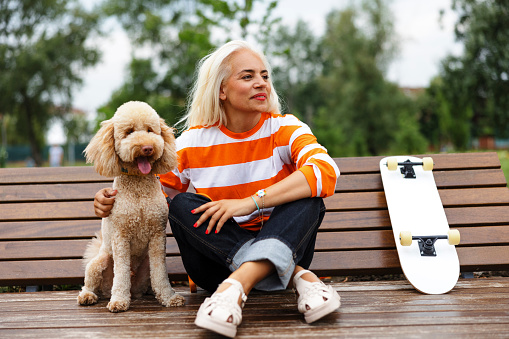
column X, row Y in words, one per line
column 101, row 151
column 222, row 94
column 168, row 160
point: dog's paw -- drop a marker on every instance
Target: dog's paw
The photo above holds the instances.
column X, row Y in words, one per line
column 173, row 301
column 118, row 305
column 87, row 298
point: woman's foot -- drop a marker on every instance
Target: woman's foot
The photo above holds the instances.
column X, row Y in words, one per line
column 221, row 312
column 315, row 299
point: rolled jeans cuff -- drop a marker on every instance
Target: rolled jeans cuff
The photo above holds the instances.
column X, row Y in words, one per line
column 274, row 250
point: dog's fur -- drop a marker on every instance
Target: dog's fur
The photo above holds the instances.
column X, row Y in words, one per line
column 128, row 256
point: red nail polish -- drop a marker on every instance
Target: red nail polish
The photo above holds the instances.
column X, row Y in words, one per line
column 193, row 211
column 207, row 232
column 195, row 225
column 216, row 232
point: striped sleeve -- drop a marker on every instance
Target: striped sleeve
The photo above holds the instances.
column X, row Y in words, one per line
column 312, row 160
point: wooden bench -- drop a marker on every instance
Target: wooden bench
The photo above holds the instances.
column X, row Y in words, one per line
column 46, row 220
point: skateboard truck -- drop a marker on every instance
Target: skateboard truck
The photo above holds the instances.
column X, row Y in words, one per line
column 408, row 166
column 427, row 243
column 408, row 169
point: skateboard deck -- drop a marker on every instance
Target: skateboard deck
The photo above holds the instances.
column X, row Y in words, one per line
column 429, row 263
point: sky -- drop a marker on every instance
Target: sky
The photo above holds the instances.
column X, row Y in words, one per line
column 423, row 43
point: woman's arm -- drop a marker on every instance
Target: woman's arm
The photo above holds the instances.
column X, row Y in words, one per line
column 291, row 188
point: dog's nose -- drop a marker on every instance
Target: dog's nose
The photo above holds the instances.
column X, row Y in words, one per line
column 147, row 150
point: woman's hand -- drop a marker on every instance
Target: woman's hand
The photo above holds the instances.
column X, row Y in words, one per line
column 220, row 211
column 103, row 202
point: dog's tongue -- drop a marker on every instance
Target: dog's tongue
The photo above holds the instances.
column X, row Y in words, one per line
column 144, row 165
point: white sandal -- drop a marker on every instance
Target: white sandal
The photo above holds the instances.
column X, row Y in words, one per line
column 316, row 299
column 221, row 312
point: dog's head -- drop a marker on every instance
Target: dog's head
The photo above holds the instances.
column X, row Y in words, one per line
column 135, row 141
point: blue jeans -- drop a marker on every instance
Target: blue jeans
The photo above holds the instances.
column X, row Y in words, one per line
column 286, row 239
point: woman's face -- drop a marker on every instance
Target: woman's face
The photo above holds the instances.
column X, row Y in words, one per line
column 247, row 89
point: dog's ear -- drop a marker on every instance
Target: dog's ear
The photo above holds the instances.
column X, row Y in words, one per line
column 101, row 151
column 168, row 160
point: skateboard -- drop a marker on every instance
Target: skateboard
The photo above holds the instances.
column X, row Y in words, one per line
column 425, row 244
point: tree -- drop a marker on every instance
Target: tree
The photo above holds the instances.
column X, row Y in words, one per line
column 42, row 49
column 476, row 83
column 177, row 34
column 296, row 59
column 362, row 113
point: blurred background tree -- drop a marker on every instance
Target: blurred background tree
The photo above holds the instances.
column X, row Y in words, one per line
column 471, row 95
column 173, row 36
column 336, row 81
column 42, row 53
column 361, row 113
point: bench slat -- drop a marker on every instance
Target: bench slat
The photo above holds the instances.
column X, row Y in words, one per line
column 57, row 249
column 449, row 197
column 50, row 192
column 444, row 179
column 357, row 220
column 325, row 242
column 459, row 161
column 472, row 259
column 50, row 229
column 38, row 175
column 68, row 271
column 339, row 202
column 331, row 263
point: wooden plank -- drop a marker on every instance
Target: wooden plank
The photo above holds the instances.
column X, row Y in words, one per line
column 57, row 249
column 50, row 192
column 379, row 219
column 369, row 309
column 356, row 220
column 70, row 210
column 459, row 161
column 338, row 202
column 443, row 179
column 326, row 241
column 450, row 198
column 50, row 229
column 67, row 271
column 39, row 175
column 470, row 236
column 472, row 259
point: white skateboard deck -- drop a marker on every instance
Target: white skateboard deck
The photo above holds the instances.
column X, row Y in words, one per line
column 415, row 206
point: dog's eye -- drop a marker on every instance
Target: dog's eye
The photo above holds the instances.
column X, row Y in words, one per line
column 149, row 130
column 129, row 131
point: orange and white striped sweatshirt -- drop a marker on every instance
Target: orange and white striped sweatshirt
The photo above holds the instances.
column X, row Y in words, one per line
column 226, row 165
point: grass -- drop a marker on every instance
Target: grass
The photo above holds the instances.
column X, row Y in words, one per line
column 504, row 161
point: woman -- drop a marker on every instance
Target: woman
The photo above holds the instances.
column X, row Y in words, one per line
column 260, row 178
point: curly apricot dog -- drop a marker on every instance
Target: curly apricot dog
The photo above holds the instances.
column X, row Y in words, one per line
column 128, row 256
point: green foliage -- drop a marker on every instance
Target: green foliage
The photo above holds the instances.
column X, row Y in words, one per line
column 296, row 59
column 176, row 35
column 476, row 83
column 362, row 113
column 42, row 49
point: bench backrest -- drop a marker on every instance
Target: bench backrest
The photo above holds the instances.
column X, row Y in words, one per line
column 47, row 218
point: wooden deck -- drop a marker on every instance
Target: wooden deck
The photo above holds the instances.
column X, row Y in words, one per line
column 383, row 309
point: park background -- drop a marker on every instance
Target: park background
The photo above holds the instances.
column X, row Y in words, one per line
column 367, row 76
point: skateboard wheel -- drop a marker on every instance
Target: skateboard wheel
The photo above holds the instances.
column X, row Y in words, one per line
column 405, row 238
column 453, row 236
column 427, row 164
column 392, row 164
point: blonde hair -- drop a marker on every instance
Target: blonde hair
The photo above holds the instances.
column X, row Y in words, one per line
column 204, row 106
